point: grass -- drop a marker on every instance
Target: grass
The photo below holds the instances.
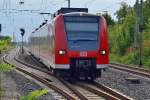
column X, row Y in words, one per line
column 5, row 67
column 34, row 95
column 132, row 58
column 7, row 49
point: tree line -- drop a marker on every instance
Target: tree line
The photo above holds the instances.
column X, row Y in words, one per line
column 121, row 34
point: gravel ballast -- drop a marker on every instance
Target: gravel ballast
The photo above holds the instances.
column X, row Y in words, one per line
column 22, row 86
column 117, row 80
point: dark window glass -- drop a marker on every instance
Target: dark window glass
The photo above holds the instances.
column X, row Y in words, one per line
column 82, row 26
column 82, row 32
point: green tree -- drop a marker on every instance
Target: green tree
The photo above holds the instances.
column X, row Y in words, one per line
column 146, row 10
column 122, row 35
column 122, row 12
column 108, row 18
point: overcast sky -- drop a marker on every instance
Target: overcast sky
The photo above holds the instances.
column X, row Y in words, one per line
column 12, row 19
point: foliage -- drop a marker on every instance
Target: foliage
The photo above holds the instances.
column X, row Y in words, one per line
column 5, row 67
column 4, row 42
column 130, row 58
column 146, row 9
column 34, row 95
column 108, row 18
column 121, row 36
column 147, row 63
column 122, row 12
column 146, row 56
column 147, row 30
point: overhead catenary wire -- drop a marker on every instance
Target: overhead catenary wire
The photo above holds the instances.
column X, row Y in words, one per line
column 109, row 7
column 89, row 2
column 46, row 6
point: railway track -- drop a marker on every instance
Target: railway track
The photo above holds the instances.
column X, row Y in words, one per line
column 42, row 80
column 74, row 91
column 99, row 86
column 134, row 70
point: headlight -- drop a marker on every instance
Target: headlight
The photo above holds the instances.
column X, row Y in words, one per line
column 62, row 52
column 103, row 52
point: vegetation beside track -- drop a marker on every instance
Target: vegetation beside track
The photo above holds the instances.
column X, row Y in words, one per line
column 3, row 69
column 5, row 44
column 121, row 36
column 34, row 95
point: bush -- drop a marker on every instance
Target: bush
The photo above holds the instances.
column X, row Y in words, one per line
column 147, row 63
column 131, row 58
column 146, row 53
column 5, row 43
column 115, row 58
column 146, row 57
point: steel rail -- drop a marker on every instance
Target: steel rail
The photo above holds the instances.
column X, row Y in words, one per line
column 132, row 67
column 131, row 70
column 112, row 92
column 44, row 81
column 75, row 91
column 82, row 97
column 98, row 92
column 106, row 92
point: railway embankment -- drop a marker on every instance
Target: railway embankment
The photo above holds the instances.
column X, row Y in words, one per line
column 16, row 85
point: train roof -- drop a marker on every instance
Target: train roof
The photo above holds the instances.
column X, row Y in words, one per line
column 79, row 14
column 68, row 10
column 72, row 12
column 75, row 14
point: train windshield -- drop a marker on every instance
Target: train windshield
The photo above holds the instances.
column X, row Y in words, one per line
column 82, row 32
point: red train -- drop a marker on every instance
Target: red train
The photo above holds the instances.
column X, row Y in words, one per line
column 73, row 44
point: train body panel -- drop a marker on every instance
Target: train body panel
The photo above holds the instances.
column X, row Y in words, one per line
column 41, row 44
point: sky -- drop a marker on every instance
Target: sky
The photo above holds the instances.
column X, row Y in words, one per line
column 14, row 16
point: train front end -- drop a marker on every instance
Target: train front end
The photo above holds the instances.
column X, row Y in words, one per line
column 81, row 45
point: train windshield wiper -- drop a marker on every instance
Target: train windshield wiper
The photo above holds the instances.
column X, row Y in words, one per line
column 77, row 40
column 85, row 40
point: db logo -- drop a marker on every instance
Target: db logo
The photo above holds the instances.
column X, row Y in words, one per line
column 83, row 54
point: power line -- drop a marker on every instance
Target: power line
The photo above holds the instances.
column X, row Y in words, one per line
column 89, row 2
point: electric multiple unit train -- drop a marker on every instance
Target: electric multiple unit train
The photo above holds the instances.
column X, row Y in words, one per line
column 73, row 44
